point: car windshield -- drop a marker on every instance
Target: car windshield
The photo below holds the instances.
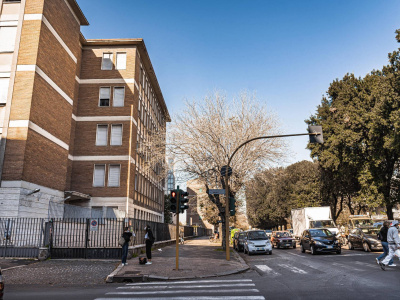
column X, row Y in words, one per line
column 257, row 235
column 363, row 222
column 370, row 230
column 322, row 224
column 321, row 232
column 242, row 234
column 283, row 234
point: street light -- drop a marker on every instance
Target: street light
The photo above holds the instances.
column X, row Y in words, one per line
column 33, row 192
column 315, row 134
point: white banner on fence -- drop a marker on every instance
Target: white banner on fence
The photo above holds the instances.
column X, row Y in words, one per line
column 94, row 224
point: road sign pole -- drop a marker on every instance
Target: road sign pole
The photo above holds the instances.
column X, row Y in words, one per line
column 227, row 217
column 177, row 229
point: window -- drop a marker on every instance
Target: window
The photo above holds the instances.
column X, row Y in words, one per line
column 4, row 90
column 121, row 61
column 116, row 134
column 101, row 135
column 119, row 96
column 113, row 175
column 107, row 62
column 7, row 38
column 105, row 96
column 99, row 175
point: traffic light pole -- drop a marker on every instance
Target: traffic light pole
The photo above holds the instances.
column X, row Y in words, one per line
column 178, row 197
column 227, row 181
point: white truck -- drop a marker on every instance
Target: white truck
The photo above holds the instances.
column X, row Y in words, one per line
column 312, row 217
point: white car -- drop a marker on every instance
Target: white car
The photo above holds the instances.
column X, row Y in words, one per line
column 256, row 241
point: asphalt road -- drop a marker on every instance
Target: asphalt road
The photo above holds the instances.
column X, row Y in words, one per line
column 286, row 274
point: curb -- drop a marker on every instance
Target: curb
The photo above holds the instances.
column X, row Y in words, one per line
column 110, row 278
column 143, row 278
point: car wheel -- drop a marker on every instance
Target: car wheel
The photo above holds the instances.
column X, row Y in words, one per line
column 294, row 246
column 270, row 252
column 302, row 248
column 366, row 247
column 351, row 247
column 312, row 250
column 278, row 246
column 339, row 251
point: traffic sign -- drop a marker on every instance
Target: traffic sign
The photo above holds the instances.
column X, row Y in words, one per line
column 216, row 191
column 94, row 225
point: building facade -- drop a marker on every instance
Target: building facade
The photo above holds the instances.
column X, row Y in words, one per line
column 74, row 113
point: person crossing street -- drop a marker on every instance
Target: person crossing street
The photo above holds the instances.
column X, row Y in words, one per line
column 393, row 242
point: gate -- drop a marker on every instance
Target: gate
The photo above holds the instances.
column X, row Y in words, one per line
column 78, row 238
column 21, row 237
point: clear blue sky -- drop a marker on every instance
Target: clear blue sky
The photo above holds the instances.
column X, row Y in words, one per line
column 287, row 51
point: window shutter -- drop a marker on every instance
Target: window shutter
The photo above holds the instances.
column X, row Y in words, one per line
column 119, row 95
column 101, row 137
column 121, row 61
column 113, row 175
column 4, row 89
column 116, row 135
column 105, row 96
column 7, row 38
column 99, row 175
column 107, row 62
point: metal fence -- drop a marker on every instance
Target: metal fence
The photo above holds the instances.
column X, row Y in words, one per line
column 22, row 237
column 79, row 237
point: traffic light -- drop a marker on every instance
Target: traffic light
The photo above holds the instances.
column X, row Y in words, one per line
column 232, row 207
column 174, row 201
column 183, row 201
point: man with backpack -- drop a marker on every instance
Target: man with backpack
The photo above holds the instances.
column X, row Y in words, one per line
column 393, row 242
column 382, row 236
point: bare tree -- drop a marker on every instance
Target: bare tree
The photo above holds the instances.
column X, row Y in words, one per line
column 206, row 133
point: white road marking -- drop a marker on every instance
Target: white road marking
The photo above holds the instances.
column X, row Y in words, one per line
column 367, row 264
column 187, row 287
column 294, row 269
column 267, row 269
column 295, row 254
column 193, row 298
column 186, row 292
column 349, row 267
column 192, row 281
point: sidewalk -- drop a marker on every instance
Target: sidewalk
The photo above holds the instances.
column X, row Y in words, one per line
column 198, row 258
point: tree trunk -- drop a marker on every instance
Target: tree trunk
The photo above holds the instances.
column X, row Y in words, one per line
column 389, row 210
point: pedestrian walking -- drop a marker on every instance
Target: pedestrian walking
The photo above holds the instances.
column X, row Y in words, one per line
column 149, row 238
column 127, row 237
column 383, row 237
column 393, row 242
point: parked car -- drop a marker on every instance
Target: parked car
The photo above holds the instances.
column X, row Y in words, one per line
column 319, row 240
column 256, row 241
column 1, row 285
column 268, row 232
column 282, row 239
column 238, row 241
column 364, row 238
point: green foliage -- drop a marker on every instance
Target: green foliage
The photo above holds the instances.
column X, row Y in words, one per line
column 272, row 195
column 361, row 122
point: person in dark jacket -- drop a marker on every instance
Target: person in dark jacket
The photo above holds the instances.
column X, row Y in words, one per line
column 149, row 238
column 383, row 234
column 127, row 236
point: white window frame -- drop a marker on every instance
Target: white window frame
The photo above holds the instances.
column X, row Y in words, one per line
column 112, row 61
column 94, row 173
column 119, row 178
column 122, row 133
column 123, row 100
column 109, row 96
column 97, row 135
column 116, row 61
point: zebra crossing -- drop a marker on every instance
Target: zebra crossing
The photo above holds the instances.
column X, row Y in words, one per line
column 282, row 269
column 217, row 289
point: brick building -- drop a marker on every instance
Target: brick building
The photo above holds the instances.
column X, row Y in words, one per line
column 72, row 113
